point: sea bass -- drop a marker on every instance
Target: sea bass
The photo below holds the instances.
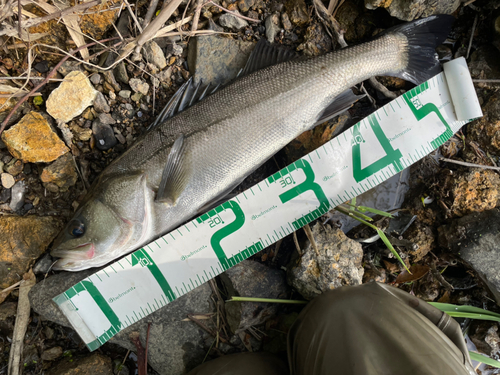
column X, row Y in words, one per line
column 203, row 152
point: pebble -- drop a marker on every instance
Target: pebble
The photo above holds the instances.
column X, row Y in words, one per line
column 7, row 180
column 106, row 118
column 42, row 67
column 120, row 138
column 109, row 78
column 53, row 188
column 95, row 79
column 121, row 73
column 14, row 167
column 17, row 196
column 139, row 86
column 33, row 141
column 408, row 10
column 104, row 135
column 245, row 5
column 68, row 67
column 154, row 54
column 52, row 353
column 4, row 195
column 285, row 20
column 297, row 12
column 81, row 134
column 61, row 172
column 125, row 94
column 232, row 22
column 71, row 98
column 1, row 166
column 101, row 104
column 136, row 97
column 272, row 27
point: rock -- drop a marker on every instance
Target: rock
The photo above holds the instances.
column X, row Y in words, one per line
column 7, row 180
column 422, row 237
column 154, row 54
column 106, row 118
column 475, row 239
column 472, row 190
column 139, row 86
column 485, row 337
column 217, row 60
column 164, row 76
column 43, row 265
column 29, row 236
column 95, row 79
column 95, row 364
column 33, row 141
column 232, row 22
column 52, row 353
column 61, row 172
column 317, row 42
column 486, row 130
column 14, row 167
column 121, row 73
column 338, row 264
column 101, row 104
column 4, row 195
column 96, row 21
column 125, row 94
column 68, row 67
column 104, row 135
column 252, row 279
column 174, row 49
column 81, row 134
column 109, row 78
column 297, row 12
column 136, row 97
column 175, row 346
column 18, row 192
column 272, row 27
column 285, row 20
column 408, row 10
column 42, row 67
column 71, row 98
column 245, row 5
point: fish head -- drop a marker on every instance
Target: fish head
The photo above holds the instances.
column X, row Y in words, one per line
column 108, row 223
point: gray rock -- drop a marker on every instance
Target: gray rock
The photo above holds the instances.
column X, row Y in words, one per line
column 139, row 86
column 70, row 66
column 95, row 79
column 174, row 49
column 109, row 77
column 252, row 279
column 104, row 135
column 175, row 346
column 121, row 73
column 106, row 118
column 408, row 10
column 43, row 265
column 101, row 104
column 217, row 60
column 338, row 263
column 17, row 196
column 154, row 54
column 285, row 20
column 272, row 27
column 232, row 22
column 475, row 239
column 125, row 94
column 136, row 96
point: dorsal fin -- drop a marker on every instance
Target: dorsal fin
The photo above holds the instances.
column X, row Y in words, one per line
column 265, row 54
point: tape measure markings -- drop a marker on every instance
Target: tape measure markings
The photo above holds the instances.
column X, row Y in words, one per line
column 368, row 153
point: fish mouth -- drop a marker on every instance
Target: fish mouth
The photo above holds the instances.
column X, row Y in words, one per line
column 82, row 252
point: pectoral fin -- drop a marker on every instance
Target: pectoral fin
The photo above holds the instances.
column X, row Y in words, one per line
column 175, row 175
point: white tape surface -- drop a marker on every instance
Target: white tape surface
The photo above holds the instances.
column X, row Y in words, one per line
column 391, row 139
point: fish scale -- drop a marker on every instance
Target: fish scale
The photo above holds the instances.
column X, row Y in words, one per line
column 378, row 147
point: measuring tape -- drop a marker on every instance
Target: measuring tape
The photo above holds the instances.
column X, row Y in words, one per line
column 378, row 147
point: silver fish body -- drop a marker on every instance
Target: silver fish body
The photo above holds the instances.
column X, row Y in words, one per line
column 226, row 136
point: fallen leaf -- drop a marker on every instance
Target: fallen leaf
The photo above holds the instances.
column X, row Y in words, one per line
column 391, row 267
column 417, row 272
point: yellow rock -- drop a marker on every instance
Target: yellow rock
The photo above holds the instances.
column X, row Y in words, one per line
column 33, row 141
column 22, row 241
column 71, row 98
column 61, row 172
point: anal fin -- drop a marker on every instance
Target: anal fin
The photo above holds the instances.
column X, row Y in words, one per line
column 175, row 175
column 342, row 103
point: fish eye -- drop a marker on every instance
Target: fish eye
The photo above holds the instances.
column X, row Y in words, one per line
column 76, row 228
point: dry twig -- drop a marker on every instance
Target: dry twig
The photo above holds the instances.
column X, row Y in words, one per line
column 150, row 12
column 471, row 36
column 234, row 14
column 472, row 165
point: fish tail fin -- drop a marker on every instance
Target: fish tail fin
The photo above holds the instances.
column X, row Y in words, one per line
column 423, row 37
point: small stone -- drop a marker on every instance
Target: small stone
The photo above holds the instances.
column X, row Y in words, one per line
column 29, row 236
column 71, row 98
column 95, row 364
column 61, row 172
column 297, row 12
column 112, row 95
column 120, row 138
column 136, row 97
column 316, row 41
column 42, row 67
column 101, row 104
column 33, row 141
column 7, row 180
column 68, row 67
column 52, row 353
column 81, row 134
column 245, row 5
column 408, row 10
column 95, row 79
column 174, row 49
column 17, row 192
column 339, row 263
column 121, row 73
column 106, row 118
column 5, row 194
column 1, row 166
column 43, row 265
column 232, row 22
column 53, row 188
column 14, row 167
column 104, row 135
column 287, row 25
column 171, row 61
column 139, row 86
column 154, row 54
column 125, row 94
column 272, row 27
column 109, row 77
column 164, row 76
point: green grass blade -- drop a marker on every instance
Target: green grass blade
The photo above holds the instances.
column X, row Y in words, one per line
column 267, row 300
column 463, row 311
column 484, row 359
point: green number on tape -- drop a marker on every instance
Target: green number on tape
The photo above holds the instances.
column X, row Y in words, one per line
column 420, row 111
column 307, row 185
column 144, row 259
column 227, row 230
column 392, row 155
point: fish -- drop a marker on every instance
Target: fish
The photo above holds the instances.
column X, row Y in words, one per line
column 206, row 149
